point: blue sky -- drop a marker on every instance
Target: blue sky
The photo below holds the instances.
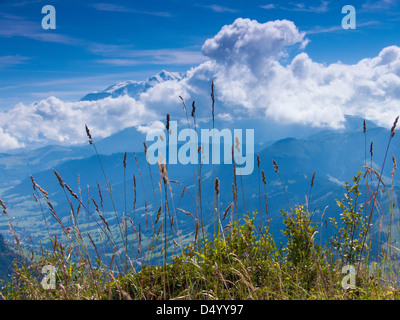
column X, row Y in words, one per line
column 290, row 61
column 99, row 43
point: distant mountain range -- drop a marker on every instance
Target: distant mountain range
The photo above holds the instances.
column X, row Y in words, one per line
column 335, row 157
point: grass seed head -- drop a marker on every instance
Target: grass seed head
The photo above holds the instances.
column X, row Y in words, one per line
column 371, row 148
column 193, row 109
column 4, row 206
column 394, row 126
column 88, row 134
column 275, row 166
column 263, row 177
column 312, row 180
column 59, row 179
column 217, row 186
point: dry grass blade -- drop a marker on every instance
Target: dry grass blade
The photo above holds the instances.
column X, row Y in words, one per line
column 369, row 169
column 187, row 213
column 71, row 192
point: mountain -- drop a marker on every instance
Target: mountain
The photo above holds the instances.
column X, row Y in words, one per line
column 335, row 157
column 20, row 164
column 132, row 88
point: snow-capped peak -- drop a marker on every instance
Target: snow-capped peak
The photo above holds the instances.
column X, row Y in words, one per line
column 133, row 88
column 164, row 76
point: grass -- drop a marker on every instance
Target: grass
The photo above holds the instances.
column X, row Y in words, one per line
column 238, row 260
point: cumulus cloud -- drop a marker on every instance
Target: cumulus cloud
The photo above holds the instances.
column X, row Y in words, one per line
column 251, row 43
column 152, row 127
column 54, row 121
column 311, row 93
column 8, row 142
column 245, row 63
column 251, row 79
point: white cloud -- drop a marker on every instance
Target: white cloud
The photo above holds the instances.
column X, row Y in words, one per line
column 6, row 61
column 8, row 142
column 218, row 8
column 311, row 93
column 54, row 121
column 162, row 57
column 251, row 43
column 123, row 9
column 14, row 26
column 153, row 126
column 321, row 8
column 268, row 6
column 373, row 5
column 245, row 63
column 124, row 55
column 248, row 73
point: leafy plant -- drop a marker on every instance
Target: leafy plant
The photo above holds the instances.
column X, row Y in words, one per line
column 353, row 228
